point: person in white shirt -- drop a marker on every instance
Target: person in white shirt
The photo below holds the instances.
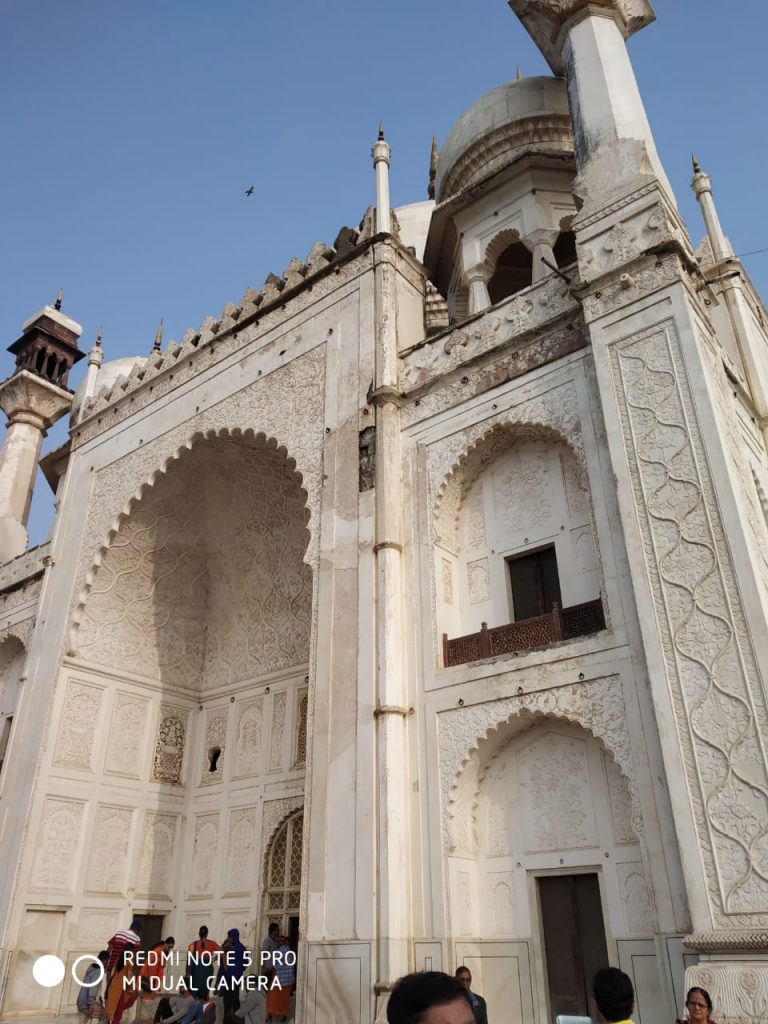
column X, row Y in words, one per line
column 253, row 1009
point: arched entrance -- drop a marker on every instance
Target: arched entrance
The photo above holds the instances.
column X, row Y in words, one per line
column 282, row 878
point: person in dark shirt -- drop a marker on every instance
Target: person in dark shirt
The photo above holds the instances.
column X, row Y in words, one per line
column 479, row 1009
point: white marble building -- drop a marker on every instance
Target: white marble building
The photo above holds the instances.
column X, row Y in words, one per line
column 417, row 602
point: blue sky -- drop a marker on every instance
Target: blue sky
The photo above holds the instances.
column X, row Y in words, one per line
column 132, row 129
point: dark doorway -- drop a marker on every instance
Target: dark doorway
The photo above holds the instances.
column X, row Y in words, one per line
column 535, row 583
column 574, row 940
column 151, row 929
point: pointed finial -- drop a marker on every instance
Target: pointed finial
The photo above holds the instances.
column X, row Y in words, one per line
column 695, row 162
column 59, row 297
column 158, row 337
column 434, row 156
column 381, row 131
column 519, row 76
column 99, row 336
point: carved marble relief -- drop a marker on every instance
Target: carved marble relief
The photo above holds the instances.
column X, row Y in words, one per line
column 278, row 729
column 128, row 736
column 248, row 729
column 302, row 708
column 158, row 845
column 93, row 926
column 57, row 844
column 447, row 569
column 241, row 845
column 711, row 672
column 169, row 745
column 110, row 842
column 205, row 854
column 465, row 902
column 554, row 773
column 635, row 898
column 501, row 898
column 79, row 718
column 621, row 804
column 216, row 720
column 478, row 580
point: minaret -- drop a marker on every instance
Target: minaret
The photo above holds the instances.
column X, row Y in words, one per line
column 381, row 154
column 728, row 283
column 95, row 359
column 33, row 398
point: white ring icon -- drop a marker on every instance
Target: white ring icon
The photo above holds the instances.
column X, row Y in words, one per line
column 93, row 960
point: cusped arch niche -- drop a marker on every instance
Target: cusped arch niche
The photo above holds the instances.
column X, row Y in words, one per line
column 539, row 786
column 202, row 580
column 518, row 490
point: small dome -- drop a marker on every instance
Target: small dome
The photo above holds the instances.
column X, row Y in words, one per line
column 527, row 116
column 108, row 373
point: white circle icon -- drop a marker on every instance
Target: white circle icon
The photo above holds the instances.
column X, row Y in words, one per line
column 87, row 958
column 48, row 970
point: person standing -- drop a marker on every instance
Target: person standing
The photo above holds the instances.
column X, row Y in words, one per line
column 479, row 1009
column 268, row 947
column 279, row 998
column 127, row 939
column 698, row 1004
column 202, row 962
column 88, row 1002
column 231, row 971
column 614, row 995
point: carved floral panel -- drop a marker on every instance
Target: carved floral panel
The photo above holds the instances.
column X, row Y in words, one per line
column 77, row 732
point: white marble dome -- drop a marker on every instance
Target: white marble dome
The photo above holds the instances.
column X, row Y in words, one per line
column 109, row 372
column 526, row 116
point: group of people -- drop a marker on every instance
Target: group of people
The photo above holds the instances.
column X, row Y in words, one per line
column 209, row 969
column 432, row 997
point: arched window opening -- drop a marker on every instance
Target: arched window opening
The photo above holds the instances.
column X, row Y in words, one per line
column 565, row 249
column 213, row 758
column 40, row 360
column 513, row 272
column 12, row 655
column 50, row 370
column 283, row 877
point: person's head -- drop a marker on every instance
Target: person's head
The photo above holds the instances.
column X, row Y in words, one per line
column 614, row 994
column 465, row 976
column 169, row 943
column 429, row 997
column 203, row 932
column 104, row 956
column 698, row 1003
column 136, row 926
column 233, row 935
column 273, row 929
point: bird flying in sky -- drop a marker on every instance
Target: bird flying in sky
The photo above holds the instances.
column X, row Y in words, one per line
column 249, row 191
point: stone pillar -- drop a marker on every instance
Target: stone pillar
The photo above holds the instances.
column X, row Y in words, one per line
column 540, row 243
column 31, row 404
column 477, row 281
column 381, row 154
column 665, row 402
column 393, row 889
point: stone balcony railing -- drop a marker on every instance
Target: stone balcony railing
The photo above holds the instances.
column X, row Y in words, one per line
column 541, row 631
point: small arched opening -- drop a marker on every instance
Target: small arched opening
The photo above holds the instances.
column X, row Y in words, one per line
column 512, row 273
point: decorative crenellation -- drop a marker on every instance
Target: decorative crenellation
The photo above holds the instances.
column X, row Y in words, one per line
column 275, row 289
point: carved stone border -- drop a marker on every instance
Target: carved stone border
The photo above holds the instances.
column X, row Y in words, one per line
column 711, row 672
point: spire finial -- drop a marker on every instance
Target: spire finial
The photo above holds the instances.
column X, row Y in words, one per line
column 99, row 336
column 695, row 162
column 434, row 156
column 381, row 131
column 519, row 75
column 59, row 297
column 158, row 337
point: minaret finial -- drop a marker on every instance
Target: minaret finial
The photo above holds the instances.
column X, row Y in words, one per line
column 59, row 297
column 381, row 131
column 434, row 156
column 158, row 337
column 695, row 162
column 519, row 76
column 381, row 154
column 99, row 336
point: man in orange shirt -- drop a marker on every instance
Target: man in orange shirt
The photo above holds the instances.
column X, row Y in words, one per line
column 202, row 963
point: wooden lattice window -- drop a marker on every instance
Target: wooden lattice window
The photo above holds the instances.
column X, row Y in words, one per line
column 284, row 870
column 301, row 727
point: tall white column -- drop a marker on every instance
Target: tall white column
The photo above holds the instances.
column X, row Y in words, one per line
column 381, row 154
column 393, row 890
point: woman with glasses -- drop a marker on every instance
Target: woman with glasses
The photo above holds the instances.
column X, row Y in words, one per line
column 698, row 1003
